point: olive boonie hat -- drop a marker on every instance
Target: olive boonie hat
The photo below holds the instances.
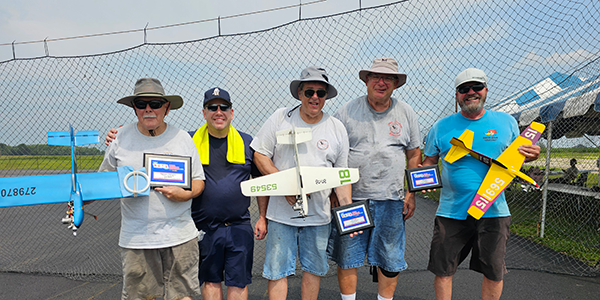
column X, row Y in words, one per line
column 150, row 87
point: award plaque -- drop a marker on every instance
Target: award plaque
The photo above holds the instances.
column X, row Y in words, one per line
column 169, row 170
column 423, row 178
column 352, row 217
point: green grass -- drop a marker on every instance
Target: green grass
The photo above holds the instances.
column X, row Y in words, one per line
column 567, row 229
column 49, row 162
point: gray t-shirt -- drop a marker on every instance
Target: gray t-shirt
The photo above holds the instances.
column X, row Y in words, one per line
column 153, row 221
column 328, row 148
column 378, row 141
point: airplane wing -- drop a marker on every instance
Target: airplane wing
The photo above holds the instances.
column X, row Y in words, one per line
column 284, row 183
column 511, row 157
column 494, row 183
column 33, row 190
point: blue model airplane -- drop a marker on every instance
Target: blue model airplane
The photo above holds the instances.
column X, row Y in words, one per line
column 73, row 188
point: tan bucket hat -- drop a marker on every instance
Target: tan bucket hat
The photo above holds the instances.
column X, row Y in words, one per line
column 384, row 65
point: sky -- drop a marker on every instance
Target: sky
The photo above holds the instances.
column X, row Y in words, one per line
column 38, row 20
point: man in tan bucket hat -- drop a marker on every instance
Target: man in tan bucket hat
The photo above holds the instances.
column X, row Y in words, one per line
column 384, row 140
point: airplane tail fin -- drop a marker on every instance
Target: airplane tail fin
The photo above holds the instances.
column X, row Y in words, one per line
column 302, row 135
column 460, row 146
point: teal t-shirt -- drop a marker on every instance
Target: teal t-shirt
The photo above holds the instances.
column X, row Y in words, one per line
column 492, row 134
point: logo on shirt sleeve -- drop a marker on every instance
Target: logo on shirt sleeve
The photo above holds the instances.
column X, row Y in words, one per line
column 395, row 128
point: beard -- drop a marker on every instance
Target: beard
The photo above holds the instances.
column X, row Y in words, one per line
column 472, row 107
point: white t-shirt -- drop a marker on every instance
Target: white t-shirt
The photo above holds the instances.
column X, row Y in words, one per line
column 153, row 221
column 328, row 148
column 378, row 141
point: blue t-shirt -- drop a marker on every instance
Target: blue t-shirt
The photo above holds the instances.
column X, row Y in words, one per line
column 492, row 134
column 222, row 199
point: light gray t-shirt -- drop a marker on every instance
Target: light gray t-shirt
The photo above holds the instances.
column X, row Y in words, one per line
column 378, row 141
column 153, row 221
column 328, row 148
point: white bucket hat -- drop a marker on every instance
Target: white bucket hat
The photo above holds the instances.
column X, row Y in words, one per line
column 313, row 74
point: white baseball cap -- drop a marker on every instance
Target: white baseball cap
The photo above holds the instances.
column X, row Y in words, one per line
column 470, row 74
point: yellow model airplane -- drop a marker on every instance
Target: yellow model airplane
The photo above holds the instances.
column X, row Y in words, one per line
column 502, row 169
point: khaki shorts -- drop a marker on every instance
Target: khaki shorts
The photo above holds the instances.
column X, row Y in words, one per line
column 454, row 239
column 171, row 273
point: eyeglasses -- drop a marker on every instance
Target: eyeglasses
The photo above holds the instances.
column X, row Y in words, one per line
column 386, row 79
column 463, row 89
column 214, row 107
column 154, row 104
column 310, row 93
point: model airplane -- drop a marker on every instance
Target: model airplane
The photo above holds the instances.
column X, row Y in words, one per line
column 301, row 180
column 72, row 188
column 502, row 169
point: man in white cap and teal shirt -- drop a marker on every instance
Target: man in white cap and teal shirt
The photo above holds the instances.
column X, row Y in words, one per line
column 455, row 233
column 288, row 234
column 158, row 234
column 384, row 140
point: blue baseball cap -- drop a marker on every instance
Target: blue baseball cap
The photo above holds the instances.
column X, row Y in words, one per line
column 216, row 93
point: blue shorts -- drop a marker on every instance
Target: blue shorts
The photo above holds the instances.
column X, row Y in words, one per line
column 383, row 245
column 226, row 255
column 284, row 240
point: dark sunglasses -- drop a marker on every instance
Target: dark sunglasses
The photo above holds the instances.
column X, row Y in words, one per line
column 465, row 88
column 154, row 104
column 310, row 93
column 214, row 107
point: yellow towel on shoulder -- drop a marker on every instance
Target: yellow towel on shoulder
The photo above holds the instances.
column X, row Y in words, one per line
column 235, row 145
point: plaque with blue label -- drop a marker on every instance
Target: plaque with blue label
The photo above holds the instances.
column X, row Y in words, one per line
column 352, row 217
column 423, row 178
column 169, row 170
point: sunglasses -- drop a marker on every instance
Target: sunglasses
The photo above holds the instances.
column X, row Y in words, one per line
column 386, row 79
column 465, row 88
column 214, row 107
column 154, row 104
column 320, row 93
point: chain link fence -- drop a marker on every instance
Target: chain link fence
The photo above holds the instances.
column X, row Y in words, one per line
column 517, row 43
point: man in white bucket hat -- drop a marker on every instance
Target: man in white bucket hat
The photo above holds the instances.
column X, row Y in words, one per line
column 384, row 140
column 287, row 234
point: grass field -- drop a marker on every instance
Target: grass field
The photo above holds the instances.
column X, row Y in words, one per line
column 49, row 162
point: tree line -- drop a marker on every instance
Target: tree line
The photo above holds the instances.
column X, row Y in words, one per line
column 23, row 149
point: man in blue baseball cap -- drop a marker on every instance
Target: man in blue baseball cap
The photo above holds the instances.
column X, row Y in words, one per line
column 222, row 211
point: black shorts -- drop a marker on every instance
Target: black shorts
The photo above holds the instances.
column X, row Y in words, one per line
column 454, row 239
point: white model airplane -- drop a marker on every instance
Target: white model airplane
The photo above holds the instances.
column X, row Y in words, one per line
column 502, row 169
column 301, row 180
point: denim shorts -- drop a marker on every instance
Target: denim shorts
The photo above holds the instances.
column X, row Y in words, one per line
column 383, row 245
column 284, row 240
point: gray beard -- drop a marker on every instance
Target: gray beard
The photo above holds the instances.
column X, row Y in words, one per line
column 471, row 109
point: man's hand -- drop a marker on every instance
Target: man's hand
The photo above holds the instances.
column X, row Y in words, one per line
column 531, row 152
column 260, row 229
column 409, row 206
column 111, row 135
column 291, row 199
column 175, row 193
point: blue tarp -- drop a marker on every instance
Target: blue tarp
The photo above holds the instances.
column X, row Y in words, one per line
column 561, row 98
